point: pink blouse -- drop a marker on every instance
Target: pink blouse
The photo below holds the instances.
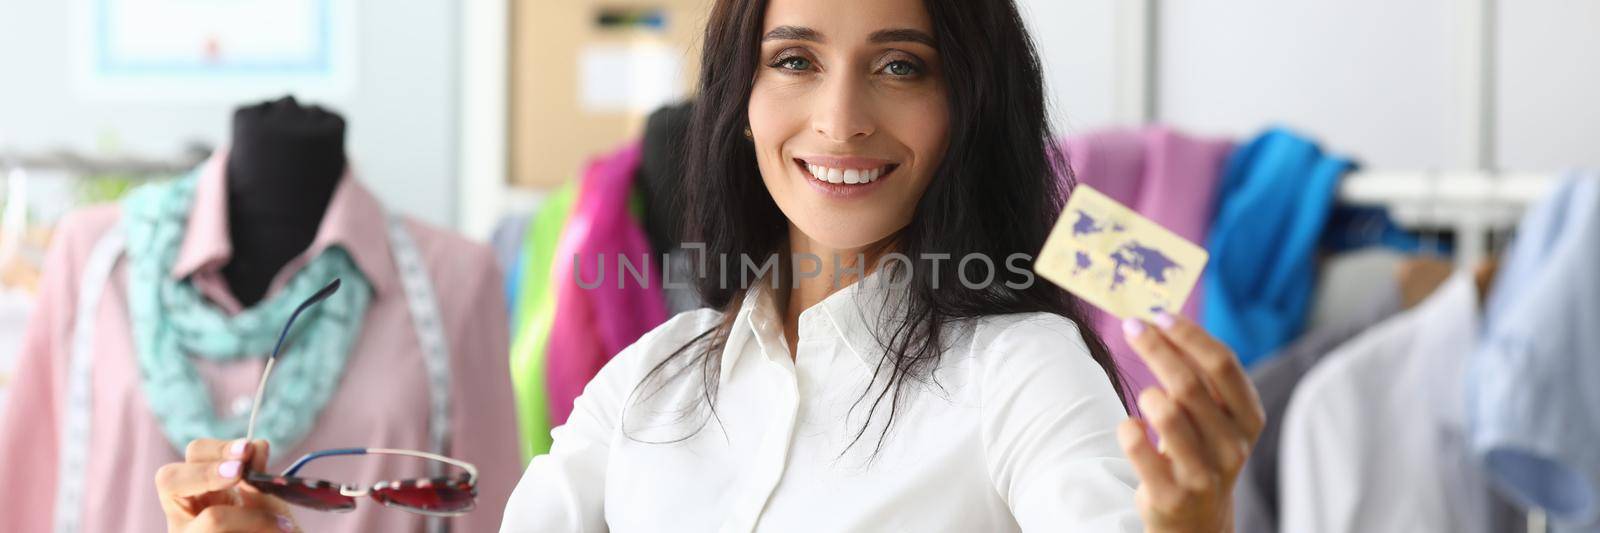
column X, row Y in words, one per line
column 382, row 400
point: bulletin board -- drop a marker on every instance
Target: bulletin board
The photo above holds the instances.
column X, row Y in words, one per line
column 585, row 74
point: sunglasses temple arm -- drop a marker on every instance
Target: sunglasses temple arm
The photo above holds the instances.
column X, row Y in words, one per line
column 301, row 462
column 472, row 471
column 261, row 388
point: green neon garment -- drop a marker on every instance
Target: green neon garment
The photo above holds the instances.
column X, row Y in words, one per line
column 535, row 310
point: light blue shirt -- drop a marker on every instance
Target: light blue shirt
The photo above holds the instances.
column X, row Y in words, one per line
column 1533, row 388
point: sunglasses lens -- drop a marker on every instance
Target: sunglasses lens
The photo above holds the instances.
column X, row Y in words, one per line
column 308, row 493
column 446, row 496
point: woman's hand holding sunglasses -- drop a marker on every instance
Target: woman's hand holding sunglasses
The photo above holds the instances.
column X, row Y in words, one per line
column 204, row 493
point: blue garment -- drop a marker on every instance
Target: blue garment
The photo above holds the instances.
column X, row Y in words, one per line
column 1352, row 227
column 1272, row 209
column 507, row 242
column 514, row 286
column 1534, row 383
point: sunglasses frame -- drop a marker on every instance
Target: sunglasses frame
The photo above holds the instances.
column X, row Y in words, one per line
column 358, row 491
column 350, row 491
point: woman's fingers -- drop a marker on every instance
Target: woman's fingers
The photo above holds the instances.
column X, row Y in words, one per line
column 1192, row 465
column 208, row 478
column 250, row 497
column 259, row 452
column 235, row 519
column 212, row 450
column 1187, row 386
column 1154, row 469
column 1222, row 369
column 184, row 480
column 1157, row 489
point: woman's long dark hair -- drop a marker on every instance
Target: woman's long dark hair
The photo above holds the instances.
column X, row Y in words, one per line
column 997, row 192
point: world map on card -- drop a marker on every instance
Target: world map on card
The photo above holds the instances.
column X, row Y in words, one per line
column 1117, row 260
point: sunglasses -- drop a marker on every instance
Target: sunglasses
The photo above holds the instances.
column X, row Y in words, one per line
column 439, row 496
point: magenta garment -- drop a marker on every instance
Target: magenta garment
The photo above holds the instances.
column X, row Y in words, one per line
column 592, row 325
column 382, row 400
column 1168, row 177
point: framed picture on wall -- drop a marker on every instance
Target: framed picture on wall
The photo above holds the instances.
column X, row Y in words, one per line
column 227, row 50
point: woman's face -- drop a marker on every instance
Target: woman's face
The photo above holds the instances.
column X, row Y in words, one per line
column 848, row 114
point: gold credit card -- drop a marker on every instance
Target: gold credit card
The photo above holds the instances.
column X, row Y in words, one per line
column 1117, row 260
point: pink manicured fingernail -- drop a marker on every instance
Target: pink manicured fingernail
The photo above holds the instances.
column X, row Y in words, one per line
column 229, row 469
column 237, row 449
column 1132, row 327
column 1164, row 320
column 285, row 524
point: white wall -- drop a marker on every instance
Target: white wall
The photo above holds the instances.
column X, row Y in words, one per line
column 1075, row 38
column 1369, row 77
column 1381, row 80
column 402, row 113
column 1549, row 90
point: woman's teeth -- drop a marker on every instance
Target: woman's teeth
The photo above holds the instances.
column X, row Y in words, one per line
column 849, row 176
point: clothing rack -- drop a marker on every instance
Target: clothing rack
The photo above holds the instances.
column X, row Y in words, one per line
column 1473, row 204
column 79, row 164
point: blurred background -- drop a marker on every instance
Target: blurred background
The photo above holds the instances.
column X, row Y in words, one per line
column 1456, row 116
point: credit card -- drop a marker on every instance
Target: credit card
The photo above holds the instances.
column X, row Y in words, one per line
column 1110, row 256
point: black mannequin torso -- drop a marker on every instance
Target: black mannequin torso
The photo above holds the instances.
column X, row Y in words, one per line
column 285, row 162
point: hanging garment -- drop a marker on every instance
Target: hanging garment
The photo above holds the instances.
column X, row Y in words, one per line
column 1271, row 213
column 170, row 316
column 1168, row 177
column 507, row 239
column 1255, row 496
column 595, row 322
column 535, row 311
column 15, row 306
column 660, row 175
column 1374, row 437
column 1533, row 394
column 79, row 374
column 1019, row 435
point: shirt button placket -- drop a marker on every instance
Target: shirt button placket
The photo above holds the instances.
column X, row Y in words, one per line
column 773, row 455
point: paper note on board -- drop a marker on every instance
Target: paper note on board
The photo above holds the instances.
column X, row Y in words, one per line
column 628, row 78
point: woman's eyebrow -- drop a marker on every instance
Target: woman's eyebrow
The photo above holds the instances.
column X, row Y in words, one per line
column 902, row 35
column 793, row 33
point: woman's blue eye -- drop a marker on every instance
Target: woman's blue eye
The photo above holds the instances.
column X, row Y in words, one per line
column 901, row 68
column 795, row 63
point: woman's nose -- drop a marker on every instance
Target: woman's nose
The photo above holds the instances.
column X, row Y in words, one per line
column 844, row 111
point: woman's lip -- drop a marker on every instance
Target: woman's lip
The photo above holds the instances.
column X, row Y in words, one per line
column 844, row 162
column 842, row 190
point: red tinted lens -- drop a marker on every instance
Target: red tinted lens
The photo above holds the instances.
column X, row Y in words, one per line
column 429, row 495
column 308, row 493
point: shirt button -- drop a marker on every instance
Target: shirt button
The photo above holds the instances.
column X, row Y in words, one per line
column 240, row 406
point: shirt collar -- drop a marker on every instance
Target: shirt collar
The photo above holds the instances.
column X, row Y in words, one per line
column 355, row 220
column 854, row 315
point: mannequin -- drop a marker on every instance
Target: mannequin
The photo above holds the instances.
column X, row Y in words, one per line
column 285, row 162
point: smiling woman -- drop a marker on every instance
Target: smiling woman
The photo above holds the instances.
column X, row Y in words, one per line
column 863, row 394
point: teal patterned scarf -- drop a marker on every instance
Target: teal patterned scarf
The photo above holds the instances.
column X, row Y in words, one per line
column 173, row 323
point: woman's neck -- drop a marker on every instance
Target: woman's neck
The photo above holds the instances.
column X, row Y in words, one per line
column 816, row 272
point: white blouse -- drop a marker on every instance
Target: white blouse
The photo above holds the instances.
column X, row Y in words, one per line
column 1015, row 432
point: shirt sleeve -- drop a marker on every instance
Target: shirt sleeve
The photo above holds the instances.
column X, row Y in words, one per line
column 563, row 491
column 1049, row 427
column 30, row 425
column 483, row 422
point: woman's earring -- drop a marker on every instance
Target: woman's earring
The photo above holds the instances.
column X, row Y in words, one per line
column 748, row 134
